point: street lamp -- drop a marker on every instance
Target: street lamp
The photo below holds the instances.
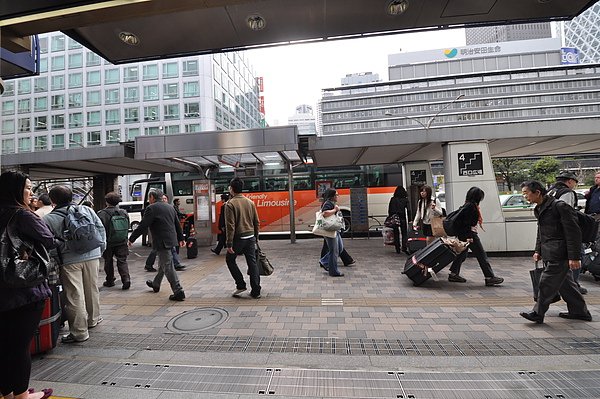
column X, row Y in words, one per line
column 427, row 125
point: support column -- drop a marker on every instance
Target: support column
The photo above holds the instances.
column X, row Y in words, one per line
column 415, row 175
column 292, row 210
column 103, row 184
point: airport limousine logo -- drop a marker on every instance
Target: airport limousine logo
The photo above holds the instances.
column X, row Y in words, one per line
column 450, row 53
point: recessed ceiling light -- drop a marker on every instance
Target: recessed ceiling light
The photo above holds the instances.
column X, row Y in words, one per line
column 256, row 22
column 396, row 7
column 129, row 38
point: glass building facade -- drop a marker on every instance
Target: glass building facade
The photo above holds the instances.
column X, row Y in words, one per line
column 583, row 33
column 81, row 100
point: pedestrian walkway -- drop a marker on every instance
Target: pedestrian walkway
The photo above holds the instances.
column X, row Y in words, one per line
column 370, row 334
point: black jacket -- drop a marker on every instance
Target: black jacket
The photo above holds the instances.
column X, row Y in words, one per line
column 398, row 206
column 559, row 235
column 163, row 223
column 588, row 196
column 468, row 218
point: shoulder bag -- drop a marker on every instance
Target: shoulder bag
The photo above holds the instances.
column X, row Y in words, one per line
column 22, row 263
column 318, row 228
column 264, row 265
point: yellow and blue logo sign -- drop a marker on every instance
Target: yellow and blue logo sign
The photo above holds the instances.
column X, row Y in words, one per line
column 450, row 53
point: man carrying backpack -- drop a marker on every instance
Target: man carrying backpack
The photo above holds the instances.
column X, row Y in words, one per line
column 83, row 241
column 116, row 223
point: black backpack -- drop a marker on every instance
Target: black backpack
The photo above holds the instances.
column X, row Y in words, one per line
column 588, row 226
column 452, row 222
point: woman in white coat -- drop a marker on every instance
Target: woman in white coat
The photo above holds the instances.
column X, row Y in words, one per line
column 427, row 208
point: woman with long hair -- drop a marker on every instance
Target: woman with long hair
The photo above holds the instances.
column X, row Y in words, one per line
column 399, row 206
column 20, row 308
column 466, row 230
column 335, row 244
column 427, row 208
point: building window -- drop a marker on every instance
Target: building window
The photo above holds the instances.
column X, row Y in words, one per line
column 170, row 91
column 73, row 44
column 113, row 136
column 43, row 45
column 57, row 43
column 171, row 112
column 57, row 63
column 150, row 72
column 57, row 102
column 93, row 78
column 75, row 60
column 113, row 116
column 9, row 89
column 40, row 123
column 8, row 107
column 112, row 76
column 8, row 146
column 58, row 141
column 92, row 59
column 57, row 82
column 170, row 70
column 75, row 140
column 76, row 119
column 24, row 86
column 75, row 80
column 40, row 84
column 151, row 93
column 190, row 68
column 94, row 98
column 24, row 106
column 8, row 126
column 93, row 138
column 24, row 144
column 132, row 115
column 191, row 89
column 40, row 104
column 111, row 96
column 130, row 74
column 24, row 125
column 40, row 143
column 192, row 128
column 192, row 110
column 132, row 133
column 152, row 131
column 131, row 94
column 76, row 100
column 58, row 121
column 94, row 118
column 173, row 129
column 44, row 65
column 151, row 113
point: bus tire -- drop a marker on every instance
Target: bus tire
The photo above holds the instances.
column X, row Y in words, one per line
column 347, row 222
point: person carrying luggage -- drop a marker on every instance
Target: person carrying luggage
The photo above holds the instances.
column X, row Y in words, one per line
column 427, row 208
column 398, row 207
column 465, row 228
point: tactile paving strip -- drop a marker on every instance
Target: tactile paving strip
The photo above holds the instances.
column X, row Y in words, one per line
column 321, row 383
column 347, row 346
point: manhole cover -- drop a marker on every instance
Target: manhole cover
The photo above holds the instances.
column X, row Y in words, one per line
column 197, row 320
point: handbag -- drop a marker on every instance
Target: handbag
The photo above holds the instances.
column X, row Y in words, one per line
column 264, row 266
column 388, row 235
column 318, row 227
column 437, row 226
column 22, row 264
column 334, row 222
column 392, row 221
column 536, row 275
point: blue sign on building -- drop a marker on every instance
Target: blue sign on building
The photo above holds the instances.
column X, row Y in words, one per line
column 569, row 55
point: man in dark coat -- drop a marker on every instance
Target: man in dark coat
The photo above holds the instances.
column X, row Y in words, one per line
column 592, row 204
column 164, row 225
column 558, row 244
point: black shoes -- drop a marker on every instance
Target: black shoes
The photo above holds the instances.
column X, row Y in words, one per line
column 323, row 266
column 109, row 283
column 533, row 316
column 126, row 285
column 149, row 269
column 455, row 278
column 214, row 252
column 178, row 296
column 255, row 295
column 337, row 275
column 179, row 268
column 150, row 284
column 492, row 281
column 584, row 317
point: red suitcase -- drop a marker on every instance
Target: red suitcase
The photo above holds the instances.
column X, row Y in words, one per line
column 46, row 335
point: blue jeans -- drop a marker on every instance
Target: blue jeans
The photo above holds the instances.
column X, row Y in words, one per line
column 335, row 246
column 247, row 248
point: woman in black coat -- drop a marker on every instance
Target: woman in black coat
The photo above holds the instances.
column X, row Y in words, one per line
column 399, row 206
column 466, row 229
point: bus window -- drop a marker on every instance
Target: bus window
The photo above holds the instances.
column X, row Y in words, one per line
column 182, row 187
column 276, row 183
column 251, row 185
column 302, row 183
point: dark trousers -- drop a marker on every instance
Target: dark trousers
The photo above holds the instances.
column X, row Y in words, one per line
column 557, row 278
column 120, row 252
column 247, row 248
column 344, row 255
column 479, row 253
column 16, row 331
column 152, row 258
column 401, row 230
column 221, row 237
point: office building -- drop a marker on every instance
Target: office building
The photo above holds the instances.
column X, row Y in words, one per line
column 583, row 33
column 81, row 100
column 508, row 33
column 304, row 119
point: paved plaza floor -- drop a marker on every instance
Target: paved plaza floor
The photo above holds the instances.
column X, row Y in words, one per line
column 368, row 334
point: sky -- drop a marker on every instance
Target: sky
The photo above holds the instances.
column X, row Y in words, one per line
column 295, row 74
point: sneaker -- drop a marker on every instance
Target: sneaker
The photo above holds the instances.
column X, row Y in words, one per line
column 323, row 266
column 255, row 296
column 109, row 283
column 215, row 252
column 70, row 339
column 100, row 320
column 179, row 268
column 351, row 263
column 584, row 317
column 237, row 292
column 150, row 284
column 149, row 269
column 455, row 278
column 492, row 281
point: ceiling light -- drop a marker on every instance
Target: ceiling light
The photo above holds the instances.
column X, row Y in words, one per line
column 129, row 38
column 256, row 22
column 397, row 7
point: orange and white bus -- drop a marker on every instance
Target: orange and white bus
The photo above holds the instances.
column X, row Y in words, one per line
column 268, row 188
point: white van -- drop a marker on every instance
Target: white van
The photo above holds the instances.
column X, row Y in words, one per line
column 134, row 209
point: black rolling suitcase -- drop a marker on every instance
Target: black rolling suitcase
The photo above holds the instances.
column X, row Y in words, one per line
column 192, row 248
column 416, row 240
column 435, row 256
column 590, row 260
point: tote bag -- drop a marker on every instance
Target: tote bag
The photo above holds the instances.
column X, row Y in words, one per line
column 318, row 227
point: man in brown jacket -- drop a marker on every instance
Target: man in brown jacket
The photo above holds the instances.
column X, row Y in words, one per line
column 241, row 225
